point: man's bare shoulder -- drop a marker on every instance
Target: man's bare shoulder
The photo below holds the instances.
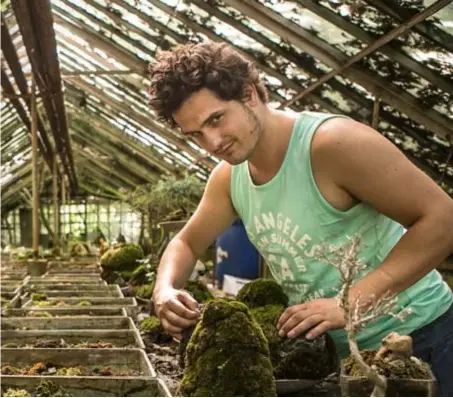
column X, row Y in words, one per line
column 221, row 176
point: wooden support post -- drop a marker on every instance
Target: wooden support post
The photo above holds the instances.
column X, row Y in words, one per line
column 56, row 211
column 34, row 145
column 376, row 109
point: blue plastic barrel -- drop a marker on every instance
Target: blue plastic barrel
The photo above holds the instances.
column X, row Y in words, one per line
column 235, row 254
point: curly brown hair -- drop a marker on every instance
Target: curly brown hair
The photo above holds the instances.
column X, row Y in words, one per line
column 186, row 69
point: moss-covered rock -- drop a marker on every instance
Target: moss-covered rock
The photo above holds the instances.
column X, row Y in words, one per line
column 146, row 291
column 297, row 358
column 261, row 292
column 199, row 291
column 155, row 333
column 123, row 258
column 227, row 354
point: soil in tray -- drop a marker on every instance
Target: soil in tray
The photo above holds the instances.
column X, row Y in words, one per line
column 60, row 303
column 49, row 369
column 61, row 343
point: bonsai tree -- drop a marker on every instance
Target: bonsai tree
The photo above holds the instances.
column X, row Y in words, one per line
column 371, row 364
column 169, row 199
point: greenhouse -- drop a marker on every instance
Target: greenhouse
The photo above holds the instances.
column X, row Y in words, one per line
column 195, row 201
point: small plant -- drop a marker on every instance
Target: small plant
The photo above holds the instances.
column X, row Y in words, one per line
column 146, row 291
column 84, row 303
column 15, row 392
column 48, row 388
column 39, row 296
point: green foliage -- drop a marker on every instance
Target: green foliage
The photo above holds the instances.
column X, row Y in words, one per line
column 261, row 292
column 146, row 291
column 199, row 291
column 83, row 303
column 141, row 275
column 10, row 392
column 48, row 388
column 168, row 195
column 227, row 354
column 123, row 258
column 39, row 296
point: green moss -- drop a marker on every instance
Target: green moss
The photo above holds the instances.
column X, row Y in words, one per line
column 42, row 303
column 74, row 371
column 10, row 392
column 150, row 324
column 199, row 291
column 227, row 354
column 146, row 291
column 155, row 333
column 123, row 258
column 48, row 388
column 83, row 303
column 398, row 369
column 261, row 292
column 39, row 296
column 139, row 276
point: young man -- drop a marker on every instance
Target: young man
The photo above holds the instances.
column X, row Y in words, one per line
column 297, row 182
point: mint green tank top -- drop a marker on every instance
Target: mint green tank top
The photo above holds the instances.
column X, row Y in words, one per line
column 288, row 219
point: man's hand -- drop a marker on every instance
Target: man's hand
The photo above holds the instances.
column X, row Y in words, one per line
column 317, row 317
column 176, row 309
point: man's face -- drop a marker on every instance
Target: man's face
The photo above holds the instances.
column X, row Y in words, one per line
column 228, row 130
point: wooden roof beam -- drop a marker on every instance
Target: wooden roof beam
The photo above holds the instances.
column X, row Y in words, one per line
column 383, row 40
column 35, row 21
column 426, row 29
column 388, row 49
column 334, row 58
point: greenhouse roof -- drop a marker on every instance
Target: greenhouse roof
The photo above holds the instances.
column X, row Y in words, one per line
column 90, row 60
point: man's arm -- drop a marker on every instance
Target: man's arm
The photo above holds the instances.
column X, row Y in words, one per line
column 214, row 214
column 371, row 169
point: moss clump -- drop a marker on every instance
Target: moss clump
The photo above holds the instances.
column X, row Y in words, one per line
column 123, row 258
column 227, row 354
column 297, row 358
column 139, row 276
column 261, row 292
column 42, row 303
column 398, row 369
column 83, row 303
column 146, row 291
column 10, row 392
column 69, row 372
column 39, row 296
column 154, row 330
column 47, row 388
column 199, row 291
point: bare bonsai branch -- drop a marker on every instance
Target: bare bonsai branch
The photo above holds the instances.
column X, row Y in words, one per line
column 357, row 316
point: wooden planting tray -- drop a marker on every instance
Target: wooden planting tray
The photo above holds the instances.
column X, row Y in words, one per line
column 128, row 303
column 92, row 387
column 68, row 311
column 68, row 323
column 130, row 359
column 69, row 279
column 12, row 275
column 39, row 287
column 352, row 386
column 80, row 276
column 119, row 338
column 36, row 284
column 111, row 292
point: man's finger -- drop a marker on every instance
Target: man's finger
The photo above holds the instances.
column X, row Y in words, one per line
column 179, row 321
column 294, row 320
column 288, row 313
column 188, row 300
column 169, row 328
column 306, row 324
column 320, row 329
column 180, row 309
